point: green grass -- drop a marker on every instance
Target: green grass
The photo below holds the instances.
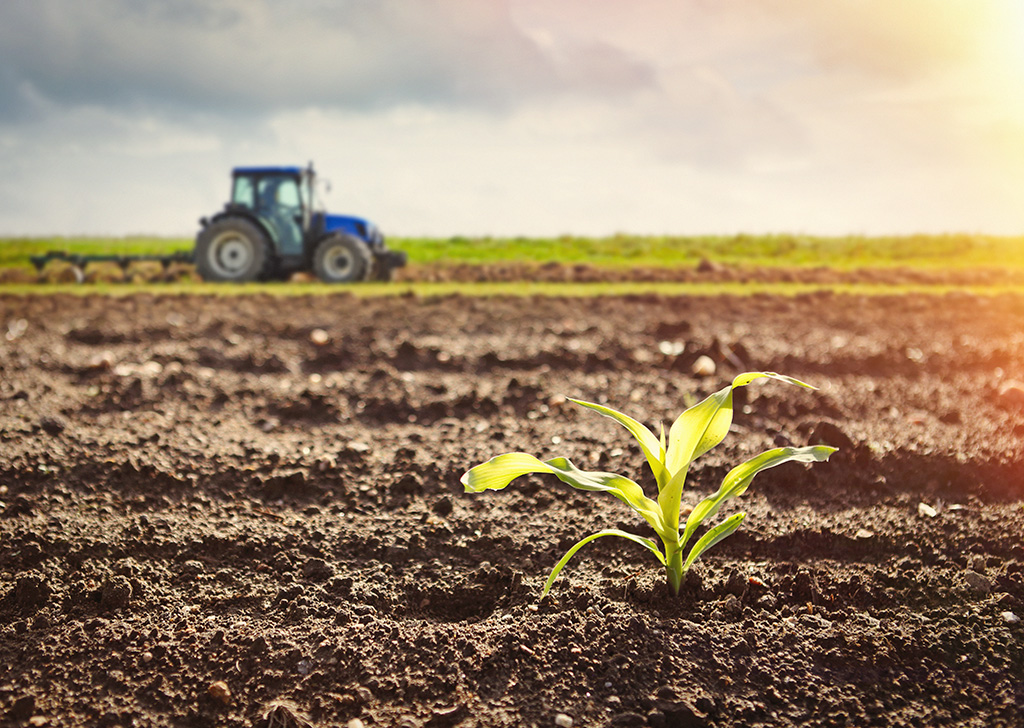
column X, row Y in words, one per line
column 916, row 251
column 919, row 251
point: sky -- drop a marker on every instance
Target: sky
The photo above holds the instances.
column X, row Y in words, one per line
column 519, row 117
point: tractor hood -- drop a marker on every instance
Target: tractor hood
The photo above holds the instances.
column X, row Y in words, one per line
column 354, row 226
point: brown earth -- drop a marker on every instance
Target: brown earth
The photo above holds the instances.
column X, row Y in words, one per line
column 705, row 272
column 246, row 511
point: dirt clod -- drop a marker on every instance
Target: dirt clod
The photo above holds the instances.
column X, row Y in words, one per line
column 978, row 582
column 31, row 591
column 22, row 708
column 116, row 592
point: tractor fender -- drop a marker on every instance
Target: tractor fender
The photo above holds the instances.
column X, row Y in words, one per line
column 244, row 212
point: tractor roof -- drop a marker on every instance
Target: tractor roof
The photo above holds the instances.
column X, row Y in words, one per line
column 268, row 170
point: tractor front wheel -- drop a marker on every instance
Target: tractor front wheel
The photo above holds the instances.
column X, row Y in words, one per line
column 233, row 249
column 342, row 259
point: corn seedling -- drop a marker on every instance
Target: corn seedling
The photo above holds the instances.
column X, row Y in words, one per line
column 695, row 432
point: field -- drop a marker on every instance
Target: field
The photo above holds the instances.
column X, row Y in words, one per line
column 245, row 510
column 618, row 265
column 622, row 251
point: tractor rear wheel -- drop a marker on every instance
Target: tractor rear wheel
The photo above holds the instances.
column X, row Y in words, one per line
column 233, row 249
column 342, row 259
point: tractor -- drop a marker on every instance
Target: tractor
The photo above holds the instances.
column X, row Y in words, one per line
column 271, row 228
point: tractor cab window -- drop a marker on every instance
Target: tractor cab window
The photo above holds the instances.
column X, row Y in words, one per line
column 281, row 208
column 278, row 192
column 243, row 193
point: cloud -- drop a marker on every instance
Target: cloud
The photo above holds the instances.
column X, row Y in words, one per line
column 246, row 55
column 519, row 116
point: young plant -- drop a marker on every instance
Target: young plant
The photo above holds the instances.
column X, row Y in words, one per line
column 694, row 432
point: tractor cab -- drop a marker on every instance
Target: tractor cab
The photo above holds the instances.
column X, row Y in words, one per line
column 281, row 198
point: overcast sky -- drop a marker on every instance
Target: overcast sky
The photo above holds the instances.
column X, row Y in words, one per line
column 519, row 117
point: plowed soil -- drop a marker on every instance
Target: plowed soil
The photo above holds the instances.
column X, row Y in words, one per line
column 554, row 272
column 246, row 511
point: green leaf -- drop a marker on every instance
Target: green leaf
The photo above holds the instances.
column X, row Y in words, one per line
column 716, row 534
column 499, row 471
column 738, row 479
column 645, row 542
column 746, row 378
column 653, row 449
column 699, row 429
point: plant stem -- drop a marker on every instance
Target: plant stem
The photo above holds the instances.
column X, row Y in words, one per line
column 674, row 568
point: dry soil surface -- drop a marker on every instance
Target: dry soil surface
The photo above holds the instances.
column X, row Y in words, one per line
column 246, row 511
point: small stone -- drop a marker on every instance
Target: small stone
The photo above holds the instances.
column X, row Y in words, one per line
column 926, row 511
column 150, row 368
column 319, row 337
column 671, row 348
column 704, row 366
column 629, row 720
column 147, row 657
column 563, row 721
column 363, row 694
column 977, row 582
column 977, row 563
column 1009, row 617
column 16, row 328
column 355, row 723
column 863, row 533
column 220, row 692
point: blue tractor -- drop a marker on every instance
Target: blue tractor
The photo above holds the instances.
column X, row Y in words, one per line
column 271, row 228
